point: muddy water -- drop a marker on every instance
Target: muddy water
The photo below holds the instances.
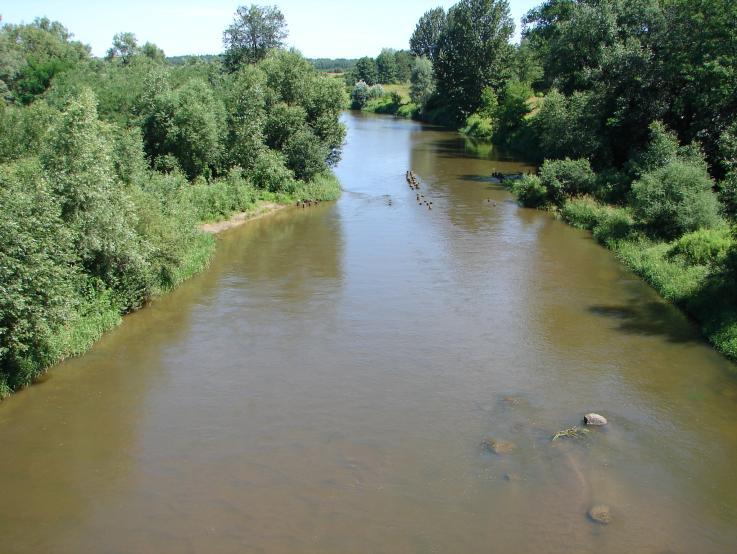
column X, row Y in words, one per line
column 326, row 385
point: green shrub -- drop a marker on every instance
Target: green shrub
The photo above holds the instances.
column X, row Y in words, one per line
column 271, row 173
column 705, row 246
column 615, row 225
column 583, row 212
column 478, row 126
column 530, row 191
column 675, row 199
column 409, row 110
column 566, row 178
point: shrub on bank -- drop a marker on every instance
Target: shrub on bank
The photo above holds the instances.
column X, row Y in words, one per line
column 530, row 191
column 567, row 178
column 675, row 199
column 479, row 127
column 703, row 247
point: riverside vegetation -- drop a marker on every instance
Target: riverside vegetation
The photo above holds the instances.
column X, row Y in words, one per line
column 107, row 167
column 628, row 107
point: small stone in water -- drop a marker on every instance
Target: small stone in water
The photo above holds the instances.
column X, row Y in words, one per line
column 594, row 419
column 511, row 477
column 499, row 447
column 601, row 514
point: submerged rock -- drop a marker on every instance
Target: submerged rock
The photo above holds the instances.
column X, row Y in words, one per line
column 499, row 447
column 512, row 477
column 594, row 419
column 601, row 514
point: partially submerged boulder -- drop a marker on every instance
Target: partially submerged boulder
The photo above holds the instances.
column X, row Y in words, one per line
column 601, row 514
column 498, row 446
column 594, row 419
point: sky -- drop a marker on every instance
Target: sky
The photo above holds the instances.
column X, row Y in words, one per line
column 318, row 28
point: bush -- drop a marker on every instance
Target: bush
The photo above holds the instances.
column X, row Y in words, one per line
column 583, row 212
column 703, row 247
column 565, row 178
column 530, row 191
column 675, row 199
column 478, row 126
column 615, row 225
column 270, row 172
column 359, row 95
column 305, row 154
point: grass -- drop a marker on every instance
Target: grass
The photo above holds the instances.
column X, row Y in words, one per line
column 400, row 88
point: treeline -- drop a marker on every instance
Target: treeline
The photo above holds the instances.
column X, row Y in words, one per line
column 108, row 165
column 630, row 108
column 333, row 65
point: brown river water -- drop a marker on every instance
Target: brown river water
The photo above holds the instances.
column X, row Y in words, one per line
column 325, row 387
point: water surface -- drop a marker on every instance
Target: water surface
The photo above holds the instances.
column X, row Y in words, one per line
column 326, row 384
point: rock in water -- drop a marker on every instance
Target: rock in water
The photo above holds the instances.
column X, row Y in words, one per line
column 594, row 419
column 499, row 447
column 601, row 514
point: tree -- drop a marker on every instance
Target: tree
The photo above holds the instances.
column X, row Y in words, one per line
column 255, row 31
column 425, row 38
column 386, row 66
column 366, row 71
column 153, row 52
column 473, row 53
column 405, row 61
column 421, row 82
column 124, row 47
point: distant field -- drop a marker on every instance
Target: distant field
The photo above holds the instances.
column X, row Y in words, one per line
column 402, row 89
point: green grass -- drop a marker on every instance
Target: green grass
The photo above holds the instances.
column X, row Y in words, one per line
column 400, row 88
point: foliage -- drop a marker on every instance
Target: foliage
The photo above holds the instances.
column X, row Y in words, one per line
column 675, row 199
column 366, row 71
column 104, row 179
column 530, row 191
column 473, row 53
column 386, row 66
column 255, row 30
column 426, row 36
column 702, row 247
column 422, row 85
column 566, row 178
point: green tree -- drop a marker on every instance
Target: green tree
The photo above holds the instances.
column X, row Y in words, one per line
column 366, row 71
column 426, row 36
column 78, row 159
column 37, row 273
column 405, row 61
column 255, row 31
column 473, row 53
column 386, row 66
column 124, row 48
column 422, row 84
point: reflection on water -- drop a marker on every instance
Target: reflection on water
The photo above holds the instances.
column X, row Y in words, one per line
column 325, row 387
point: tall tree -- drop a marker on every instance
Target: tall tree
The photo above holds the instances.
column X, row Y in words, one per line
column 366, row 71
column 255, row 31
column 124, row 47
column 424, row 39
column 422, row 84
column 473, row 53
column 386, row 66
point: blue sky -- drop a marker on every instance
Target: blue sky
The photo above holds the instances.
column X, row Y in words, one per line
column 321, row 28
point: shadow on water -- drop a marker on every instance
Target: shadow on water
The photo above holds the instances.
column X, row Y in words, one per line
column 649, row 319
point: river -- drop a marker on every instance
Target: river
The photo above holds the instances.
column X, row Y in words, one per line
column 326, row 386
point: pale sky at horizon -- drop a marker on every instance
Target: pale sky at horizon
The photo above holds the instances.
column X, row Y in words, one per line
column 319, row 29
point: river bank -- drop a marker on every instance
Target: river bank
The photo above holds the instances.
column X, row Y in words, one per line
column 218, row 208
